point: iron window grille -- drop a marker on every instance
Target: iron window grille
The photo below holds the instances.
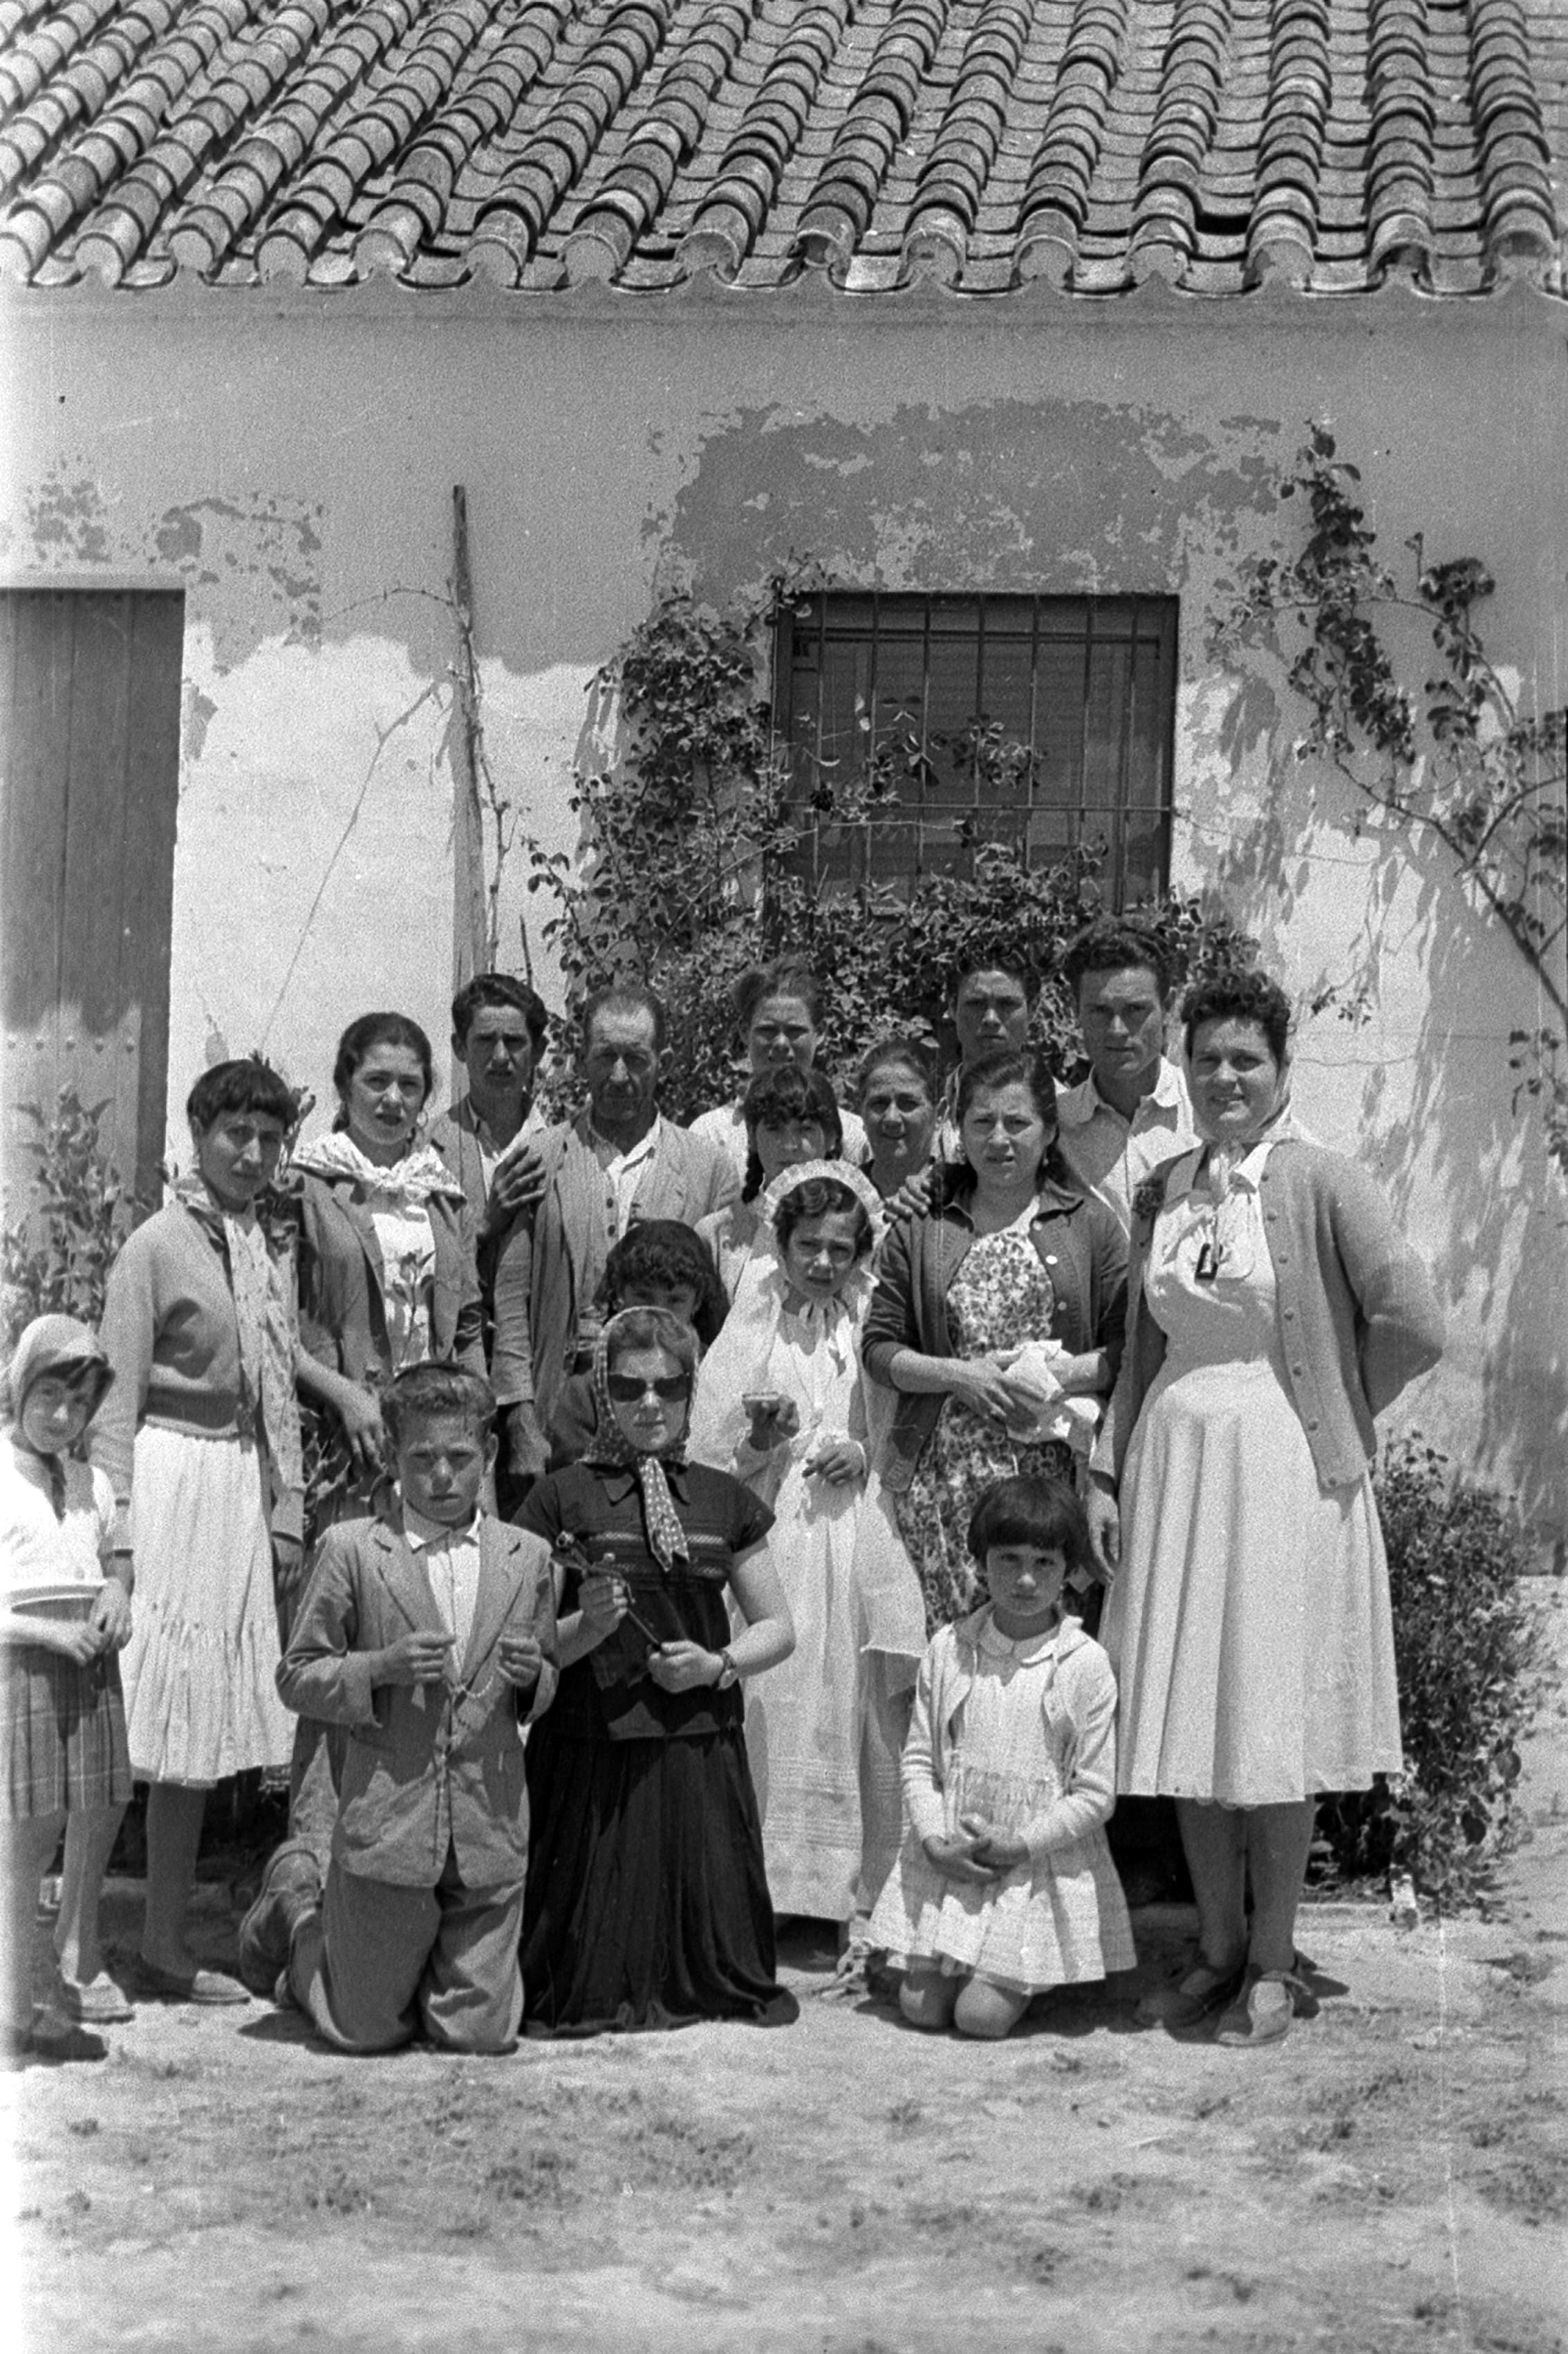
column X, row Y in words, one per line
column 920, row 727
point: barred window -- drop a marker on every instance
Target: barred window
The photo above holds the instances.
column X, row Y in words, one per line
column 1043, row 722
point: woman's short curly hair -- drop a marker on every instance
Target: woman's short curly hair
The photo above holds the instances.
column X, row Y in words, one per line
column 1239, row 997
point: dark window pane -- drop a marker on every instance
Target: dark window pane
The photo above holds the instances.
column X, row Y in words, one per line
column 1043, row 722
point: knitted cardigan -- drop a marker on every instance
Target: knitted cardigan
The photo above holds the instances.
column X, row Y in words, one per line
column 1081, row 1245
column 1077, row 1695
column 1358, row 1320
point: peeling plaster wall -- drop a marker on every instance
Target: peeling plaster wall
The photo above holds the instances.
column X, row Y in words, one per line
column 289, row 462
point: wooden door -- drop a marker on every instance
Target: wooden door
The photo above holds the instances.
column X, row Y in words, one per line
column 90, row 748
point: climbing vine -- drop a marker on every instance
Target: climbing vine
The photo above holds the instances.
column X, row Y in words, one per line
column 706, row 846
column 1457, row 762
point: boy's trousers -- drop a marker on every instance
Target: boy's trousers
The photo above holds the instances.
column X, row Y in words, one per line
column 377, row 1963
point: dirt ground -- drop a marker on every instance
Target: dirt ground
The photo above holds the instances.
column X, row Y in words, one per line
column 1393, row 2176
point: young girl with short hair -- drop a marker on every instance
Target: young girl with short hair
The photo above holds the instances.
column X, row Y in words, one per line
column 65, row 1612
column 1004, row 1885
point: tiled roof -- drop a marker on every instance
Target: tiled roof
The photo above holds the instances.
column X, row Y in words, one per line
column 983, row 144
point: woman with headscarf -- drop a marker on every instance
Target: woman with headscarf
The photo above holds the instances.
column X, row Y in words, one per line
column 647, row 1903
column 1274, row 1310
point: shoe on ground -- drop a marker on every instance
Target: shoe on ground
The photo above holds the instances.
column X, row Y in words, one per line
column 91, row 2003
column 1199, row 1990
column 291, row 1888
column 50, row 2038
column 211, row 1988
column 1263, row 2009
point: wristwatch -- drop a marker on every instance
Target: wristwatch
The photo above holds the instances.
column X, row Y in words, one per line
column 728, row 1672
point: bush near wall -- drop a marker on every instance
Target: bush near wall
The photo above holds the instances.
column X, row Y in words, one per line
column 1467, row 1654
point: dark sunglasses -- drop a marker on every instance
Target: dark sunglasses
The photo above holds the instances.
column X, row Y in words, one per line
column 626, row 1389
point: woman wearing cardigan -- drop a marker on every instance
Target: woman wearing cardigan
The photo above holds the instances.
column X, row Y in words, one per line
column 387, row 1249
column 1274, row 1310
column 200, row 1437
column 997, row 1316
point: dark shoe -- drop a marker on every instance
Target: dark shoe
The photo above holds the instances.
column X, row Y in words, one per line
column 1199, row 1990
column 1264, row 2008
column 291, row 1888
column 54, row 2039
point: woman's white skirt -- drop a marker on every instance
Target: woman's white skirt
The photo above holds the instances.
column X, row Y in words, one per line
column 199, row 1671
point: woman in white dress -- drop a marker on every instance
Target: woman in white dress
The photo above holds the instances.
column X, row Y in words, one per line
column 780, row 1407
column 1273, row 1310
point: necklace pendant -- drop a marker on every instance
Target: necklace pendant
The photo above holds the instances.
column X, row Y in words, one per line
column 1208, row 1266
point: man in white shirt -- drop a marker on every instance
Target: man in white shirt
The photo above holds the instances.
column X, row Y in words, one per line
column 1133, row 1110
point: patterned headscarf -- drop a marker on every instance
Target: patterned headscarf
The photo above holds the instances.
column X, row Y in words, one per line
column 611, row 1447
column 264, row 1316
column 420, row 1177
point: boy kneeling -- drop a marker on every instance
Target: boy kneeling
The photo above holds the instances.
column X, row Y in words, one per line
column 430, row 1634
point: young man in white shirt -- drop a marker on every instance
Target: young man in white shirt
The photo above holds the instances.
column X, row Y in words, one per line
column 1133, row 1110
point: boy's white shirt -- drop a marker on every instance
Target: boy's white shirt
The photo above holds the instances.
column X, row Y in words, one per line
column 450, row 1557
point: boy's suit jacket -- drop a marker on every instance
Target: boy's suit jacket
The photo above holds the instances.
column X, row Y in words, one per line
column 425, row 1765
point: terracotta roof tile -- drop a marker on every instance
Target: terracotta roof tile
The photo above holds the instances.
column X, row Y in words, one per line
column 977, row 143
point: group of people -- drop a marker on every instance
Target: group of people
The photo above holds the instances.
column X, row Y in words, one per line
column 814, row 1511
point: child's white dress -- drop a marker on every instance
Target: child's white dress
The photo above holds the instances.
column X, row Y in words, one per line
column 1022, row 1734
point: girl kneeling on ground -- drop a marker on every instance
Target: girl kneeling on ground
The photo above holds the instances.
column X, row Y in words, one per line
column 1004, row 1886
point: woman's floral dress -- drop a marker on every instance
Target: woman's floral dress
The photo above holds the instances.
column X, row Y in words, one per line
column 1001, row 1297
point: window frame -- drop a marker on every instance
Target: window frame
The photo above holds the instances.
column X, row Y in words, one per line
column 1146, row 620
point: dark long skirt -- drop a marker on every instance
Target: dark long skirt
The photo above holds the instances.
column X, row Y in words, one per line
column 646, row 1904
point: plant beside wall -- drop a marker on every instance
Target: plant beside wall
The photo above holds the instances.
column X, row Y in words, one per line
column 1466, row 1646
column 700, row 841
column 55, row 1257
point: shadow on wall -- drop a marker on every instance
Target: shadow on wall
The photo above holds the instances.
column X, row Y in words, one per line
column 1447, row 1121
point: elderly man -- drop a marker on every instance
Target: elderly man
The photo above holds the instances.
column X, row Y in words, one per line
column 618, row 1161
column 1132, row 1112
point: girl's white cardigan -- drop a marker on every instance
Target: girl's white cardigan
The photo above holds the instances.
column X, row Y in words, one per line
column 1078, row 1701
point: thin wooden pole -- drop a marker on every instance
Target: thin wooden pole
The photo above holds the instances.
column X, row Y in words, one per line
column 471, row 951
